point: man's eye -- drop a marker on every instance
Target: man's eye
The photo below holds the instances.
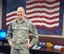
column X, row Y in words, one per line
column 19, row 12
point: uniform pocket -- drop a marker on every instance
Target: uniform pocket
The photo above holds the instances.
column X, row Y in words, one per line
column 25, row 28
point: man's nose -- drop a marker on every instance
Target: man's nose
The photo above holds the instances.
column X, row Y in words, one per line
column 20, row 14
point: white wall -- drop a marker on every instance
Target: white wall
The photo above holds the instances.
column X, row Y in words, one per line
column 63, row 26
column 0, row 14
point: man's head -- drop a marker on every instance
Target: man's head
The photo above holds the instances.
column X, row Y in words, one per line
column 20, row 12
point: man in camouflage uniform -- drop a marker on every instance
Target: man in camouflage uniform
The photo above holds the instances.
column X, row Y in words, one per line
column 18, row 34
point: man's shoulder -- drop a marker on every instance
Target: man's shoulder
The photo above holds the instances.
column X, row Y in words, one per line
column 28, row 21
column 14, row 21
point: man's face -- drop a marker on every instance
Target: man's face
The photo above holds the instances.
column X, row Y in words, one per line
column 20, row 13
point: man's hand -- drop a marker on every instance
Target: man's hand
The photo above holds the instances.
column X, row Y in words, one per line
column 10, row 42
column 28, row 45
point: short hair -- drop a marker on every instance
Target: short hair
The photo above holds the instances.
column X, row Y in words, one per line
column 22, row 7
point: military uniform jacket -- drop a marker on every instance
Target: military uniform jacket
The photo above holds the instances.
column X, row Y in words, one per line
column 19, row 32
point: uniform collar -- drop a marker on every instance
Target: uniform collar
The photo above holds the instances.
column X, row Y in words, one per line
column 18, row 21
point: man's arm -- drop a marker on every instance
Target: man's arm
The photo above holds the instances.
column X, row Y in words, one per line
column 34, row 40
column 9, row 35
column 33, row 30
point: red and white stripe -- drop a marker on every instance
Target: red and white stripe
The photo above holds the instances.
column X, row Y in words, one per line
column 10, row 17
column 43, row 13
